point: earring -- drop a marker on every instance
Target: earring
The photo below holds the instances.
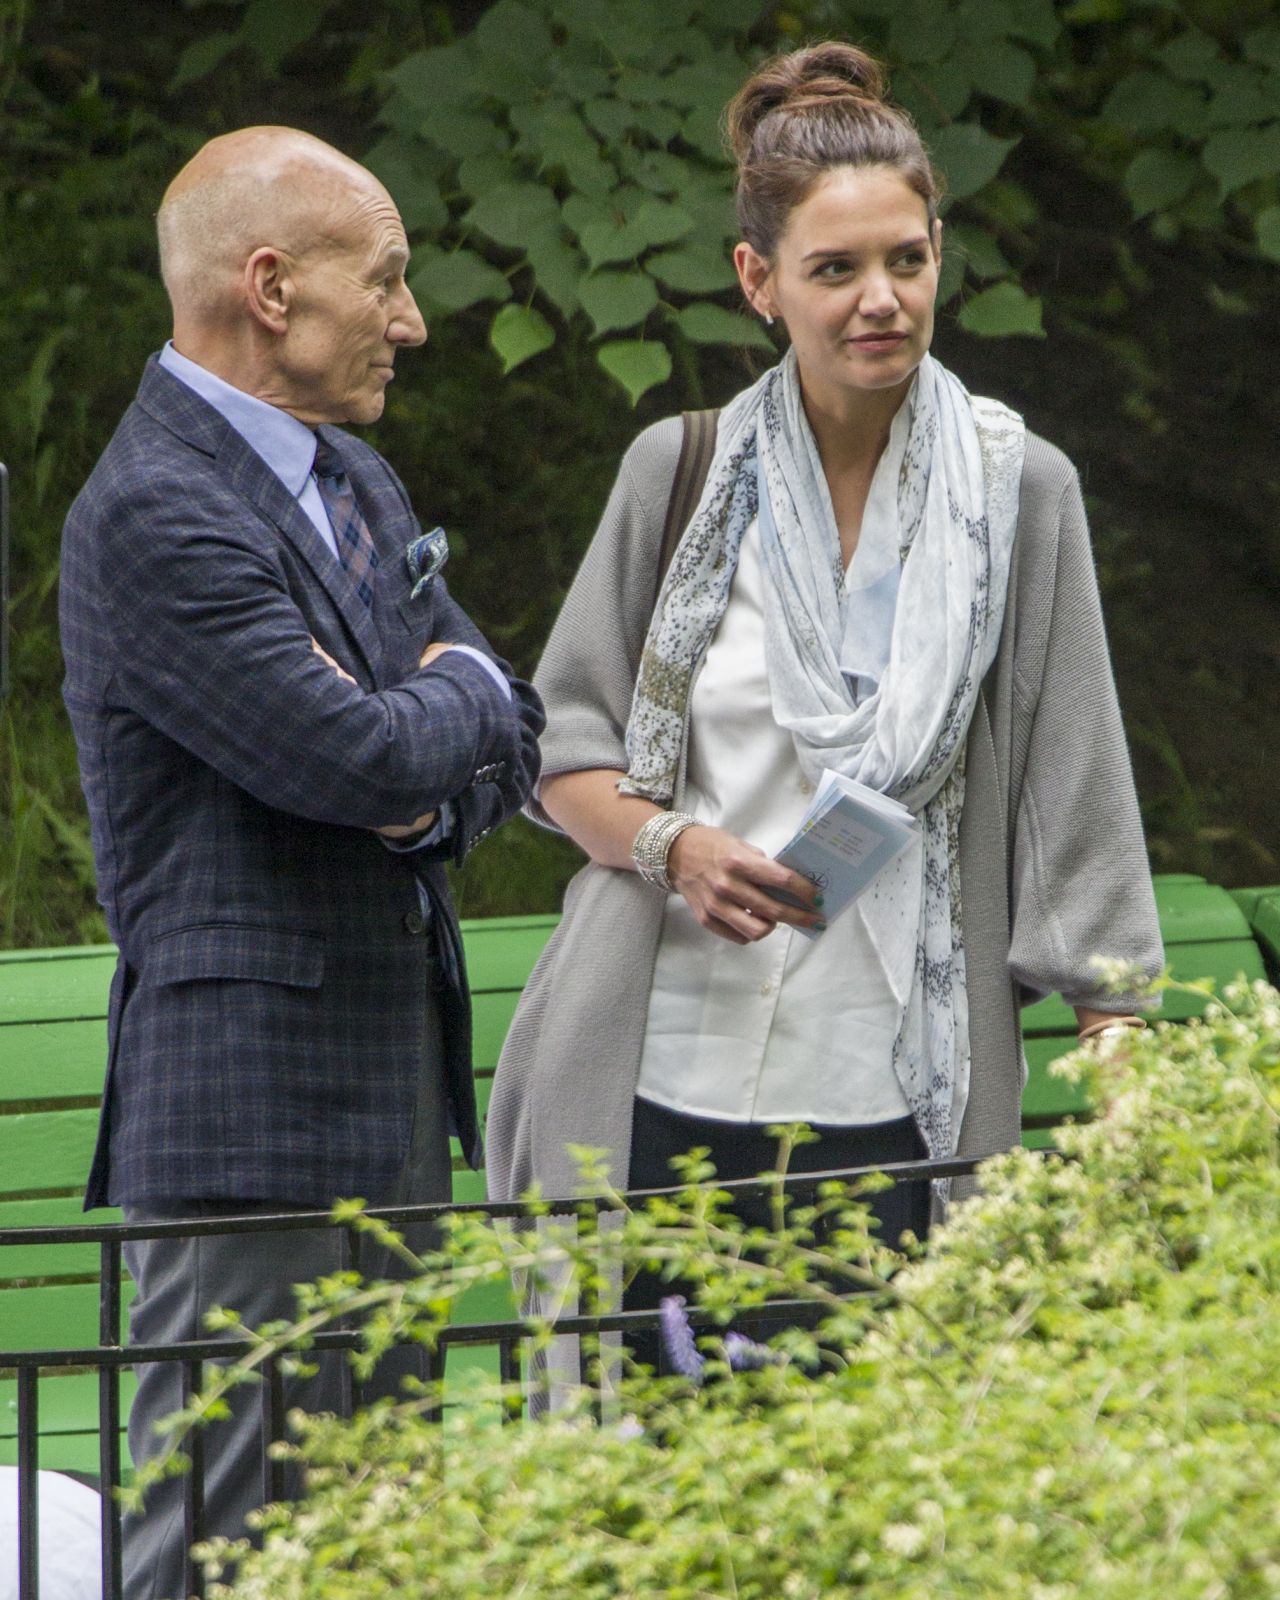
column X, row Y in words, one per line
column 768, row 320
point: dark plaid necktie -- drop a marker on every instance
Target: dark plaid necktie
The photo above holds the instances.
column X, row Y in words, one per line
column 355, row 542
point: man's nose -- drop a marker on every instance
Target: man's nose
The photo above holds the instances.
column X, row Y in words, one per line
column 407, row 325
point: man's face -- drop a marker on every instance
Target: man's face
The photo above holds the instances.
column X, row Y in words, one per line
column 351, row 310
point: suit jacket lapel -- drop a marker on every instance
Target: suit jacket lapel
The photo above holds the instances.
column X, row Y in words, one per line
column 194, row 420
column 255, row 480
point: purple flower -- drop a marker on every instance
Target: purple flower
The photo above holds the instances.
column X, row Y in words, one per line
column 677, row 1339
column 745, row 1355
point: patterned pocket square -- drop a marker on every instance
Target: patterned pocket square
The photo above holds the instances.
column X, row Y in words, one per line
column 424, row 556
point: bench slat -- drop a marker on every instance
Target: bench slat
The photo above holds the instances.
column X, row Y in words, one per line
column 55, row 985
column 52, row 1060
column 47, row 1149
column 65, row 1060
column 51, row 1316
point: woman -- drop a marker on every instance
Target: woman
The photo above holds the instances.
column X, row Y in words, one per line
column 883, row 576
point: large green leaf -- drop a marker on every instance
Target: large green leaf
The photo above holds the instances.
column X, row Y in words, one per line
column 655, row 170
column 519, row 332
column 557, row 267
column 556, row 136
column 1003, row 309
column 1149, row 102
column 692, row 269
column 457, row 280
column 1157, row 179
column 1000, row 70
column 1036, row 21
column 941, row 89
column 511, row 213
column 463, row 133
column 478, row 174
column 514, row 30
column 1263, row 45
column 624, row 27
column 637, row 364
column 1242, row 156
column 612, row 119
column 705, row 323
column 433, row 79
column 201, row 57
column 625, row 225
column 1190, row 55
column 1242, row 95
column 616, row 300
column 732, row 17
column 411, row 172
column 969, row 156
column 977, row 250
column 274, row 28
column 1267, row 226
column 922, row 31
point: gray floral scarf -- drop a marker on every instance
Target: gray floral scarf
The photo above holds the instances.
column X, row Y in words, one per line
column 957, row 503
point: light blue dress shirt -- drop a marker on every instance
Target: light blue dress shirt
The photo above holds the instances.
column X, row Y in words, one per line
column 289, row 448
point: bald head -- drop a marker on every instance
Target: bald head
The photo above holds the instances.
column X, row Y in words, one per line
column 285, row 263
column 256, row 187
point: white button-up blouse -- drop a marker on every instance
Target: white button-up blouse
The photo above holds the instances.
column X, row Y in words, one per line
column 786, row 1029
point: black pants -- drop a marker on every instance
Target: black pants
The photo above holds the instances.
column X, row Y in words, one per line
column 744, row 1150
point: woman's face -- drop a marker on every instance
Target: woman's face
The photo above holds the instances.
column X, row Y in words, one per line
column 854, row 279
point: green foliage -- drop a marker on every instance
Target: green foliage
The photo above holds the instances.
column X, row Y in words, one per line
column 560, row 167
column 1071, row 1392
column 80, row 309
column 570, row 153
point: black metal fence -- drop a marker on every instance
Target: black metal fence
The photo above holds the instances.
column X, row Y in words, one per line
column 109, row 1357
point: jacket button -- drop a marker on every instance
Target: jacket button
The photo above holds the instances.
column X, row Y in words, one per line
column 414, row 922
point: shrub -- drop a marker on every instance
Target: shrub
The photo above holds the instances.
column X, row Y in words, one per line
column 1071, row 1392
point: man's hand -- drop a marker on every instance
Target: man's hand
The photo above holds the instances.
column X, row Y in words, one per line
column 404, row 830
column 431, row 652
column 326, row 657
column 730, row 886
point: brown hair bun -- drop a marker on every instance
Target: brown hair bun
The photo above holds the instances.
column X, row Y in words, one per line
column 803, row 78
column 803, row 113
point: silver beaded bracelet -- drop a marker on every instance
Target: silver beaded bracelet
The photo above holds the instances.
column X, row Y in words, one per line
column 653, row 843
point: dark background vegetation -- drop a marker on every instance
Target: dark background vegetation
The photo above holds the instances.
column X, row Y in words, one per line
column 1137, row 211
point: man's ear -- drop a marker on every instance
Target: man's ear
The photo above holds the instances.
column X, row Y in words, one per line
column 268, row 288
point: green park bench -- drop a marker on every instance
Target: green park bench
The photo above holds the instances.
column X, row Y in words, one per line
column 52, row 1049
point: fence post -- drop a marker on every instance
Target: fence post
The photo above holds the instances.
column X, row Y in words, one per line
column 28, row 1483
column 109, row 1419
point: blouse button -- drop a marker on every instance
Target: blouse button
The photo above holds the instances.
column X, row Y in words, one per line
column 767, row 986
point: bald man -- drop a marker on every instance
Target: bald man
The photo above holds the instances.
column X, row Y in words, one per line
column 286, row 727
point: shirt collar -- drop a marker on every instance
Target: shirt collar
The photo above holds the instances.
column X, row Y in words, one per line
column 286, row 445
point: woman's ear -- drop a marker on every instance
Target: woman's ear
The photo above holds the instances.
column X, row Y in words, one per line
column 937, row 241
column 754, row 272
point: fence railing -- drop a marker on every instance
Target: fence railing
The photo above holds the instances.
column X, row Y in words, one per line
column 110, row 1356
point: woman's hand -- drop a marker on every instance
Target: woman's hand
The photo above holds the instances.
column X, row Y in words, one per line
column 729, row 886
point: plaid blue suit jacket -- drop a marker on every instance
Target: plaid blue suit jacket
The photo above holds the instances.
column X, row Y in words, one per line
column 269, row 1009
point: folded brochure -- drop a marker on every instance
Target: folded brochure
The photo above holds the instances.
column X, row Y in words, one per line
column 849, row 834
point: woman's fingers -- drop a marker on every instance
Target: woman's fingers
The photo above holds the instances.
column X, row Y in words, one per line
column 767, row 882
column 733, row 887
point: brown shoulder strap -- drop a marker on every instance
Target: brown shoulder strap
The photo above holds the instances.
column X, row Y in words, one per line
column 696, row 450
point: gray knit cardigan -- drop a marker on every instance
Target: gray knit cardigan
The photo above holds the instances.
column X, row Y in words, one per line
column 1053, row 867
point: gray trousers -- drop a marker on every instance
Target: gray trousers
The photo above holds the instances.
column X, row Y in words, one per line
column 179, row 1280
